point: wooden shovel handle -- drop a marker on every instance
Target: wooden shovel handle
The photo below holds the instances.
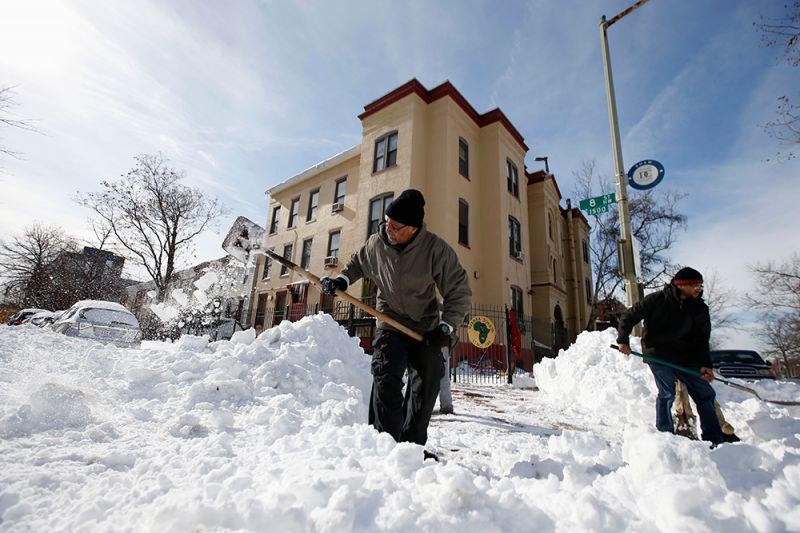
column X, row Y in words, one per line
column 344, row 296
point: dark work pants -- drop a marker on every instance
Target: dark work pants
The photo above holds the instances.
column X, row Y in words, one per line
column 406, row 417
column 701, row 392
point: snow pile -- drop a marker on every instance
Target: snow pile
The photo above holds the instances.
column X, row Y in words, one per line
column 268, row 433
column 600, row 380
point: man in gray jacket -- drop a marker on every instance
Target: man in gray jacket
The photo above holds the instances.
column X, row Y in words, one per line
column 408, row 264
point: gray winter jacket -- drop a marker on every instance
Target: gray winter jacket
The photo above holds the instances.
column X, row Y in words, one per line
column 407, row 279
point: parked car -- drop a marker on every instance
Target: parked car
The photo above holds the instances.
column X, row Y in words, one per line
column 55, row 315
column 102, row 321
column 39, row 319
column 746, row 364
column 20, row 317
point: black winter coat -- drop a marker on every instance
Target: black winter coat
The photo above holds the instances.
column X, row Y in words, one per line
column 675, row 330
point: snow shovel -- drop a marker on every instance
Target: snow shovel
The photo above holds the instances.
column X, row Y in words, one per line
column 698, row 374
column 344, row 296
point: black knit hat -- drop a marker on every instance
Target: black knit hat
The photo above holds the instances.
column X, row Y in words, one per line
column 687, row 276
column 407, row 208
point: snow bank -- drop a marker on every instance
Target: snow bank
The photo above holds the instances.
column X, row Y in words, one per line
column 268, row 433
column 592, row 376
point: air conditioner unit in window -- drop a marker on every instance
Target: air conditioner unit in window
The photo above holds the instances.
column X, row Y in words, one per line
column 338, row 206
column 519, row 254
column 331, row 261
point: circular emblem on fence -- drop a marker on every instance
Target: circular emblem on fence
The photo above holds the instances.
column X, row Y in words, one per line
column 481, row 331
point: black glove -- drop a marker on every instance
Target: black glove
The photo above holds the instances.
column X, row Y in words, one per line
column 438, row 337
column 329, row 285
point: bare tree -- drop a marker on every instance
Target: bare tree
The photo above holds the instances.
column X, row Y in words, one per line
column 720, row 300
column 779, row 296
column 7, row 103
column 784, row 32
column 26, row 264
column 152, row 215
column 655, row 222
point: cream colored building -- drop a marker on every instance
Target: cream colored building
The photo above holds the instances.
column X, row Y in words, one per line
column 520, row 248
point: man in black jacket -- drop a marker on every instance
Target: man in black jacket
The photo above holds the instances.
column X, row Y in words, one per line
column 677, row 327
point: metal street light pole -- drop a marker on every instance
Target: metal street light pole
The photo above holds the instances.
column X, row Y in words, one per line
column 626, row 243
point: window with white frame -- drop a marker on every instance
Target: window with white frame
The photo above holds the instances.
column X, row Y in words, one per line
column 267, row 267
column 514, row 237
column 333, row 243
column 338, row 195
column 385, row 152
column 377, row 210
column 305, row 259
column 287, row 254
column 313, row 203
column 512, row 178
column 295, row 209
column 276, row 218
column 463, row 157
column 463, row 222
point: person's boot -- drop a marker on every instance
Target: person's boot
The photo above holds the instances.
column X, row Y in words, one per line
column 685, row 427
column 730, row 437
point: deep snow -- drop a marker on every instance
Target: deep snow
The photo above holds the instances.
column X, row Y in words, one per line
column 269, row 434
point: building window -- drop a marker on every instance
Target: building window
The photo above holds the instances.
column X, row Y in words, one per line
column 463, row 222
column 516, row 301
column 385, row 152
column 267, row 267
column 550, row 224
column 333, row 244
column 555, row 275
column 293, row 213
column 305, row 259
column 276, row 217
column 338, row 196
column 588, row 291
column 585, row 248
column 463, row 157
column 512, row 178
column 377, row 209
column 287, row 254
column 313, row 202
column 514, row 239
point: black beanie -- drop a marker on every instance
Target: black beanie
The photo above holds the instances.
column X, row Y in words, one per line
column 687, row 276
column 407, row 208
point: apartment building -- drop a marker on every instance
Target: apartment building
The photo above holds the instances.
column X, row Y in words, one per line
column 519, row 246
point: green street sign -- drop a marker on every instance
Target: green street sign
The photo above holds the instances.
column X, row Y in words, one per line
column 598, row 204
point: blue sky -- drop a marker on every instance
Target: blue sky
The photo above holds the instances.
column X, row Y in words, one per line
column 243, row 95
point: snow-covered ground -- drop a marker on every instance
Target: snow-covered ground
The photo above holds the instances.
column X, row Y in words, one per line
column 269, row 434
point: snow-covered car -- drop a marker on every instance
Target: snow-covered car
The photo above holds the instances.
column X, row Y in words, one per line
column 39, row 319
column 21, row 316
column 55, row 315
column 747, row 364
column 102, row 321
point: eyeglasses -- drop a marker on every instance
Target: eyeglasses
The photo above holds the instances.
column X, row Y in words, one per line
column 393, row 227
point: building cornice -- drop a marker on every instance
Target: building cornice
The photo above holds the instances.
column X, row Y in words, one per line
column 316, row 169
column 413, row 86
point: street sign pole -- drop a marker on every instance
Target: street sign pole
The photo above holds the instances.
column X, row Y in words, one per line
column 629, row 275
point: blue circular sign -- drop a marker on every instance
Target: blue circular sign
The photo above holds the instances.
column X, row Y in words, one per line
column 645, row 174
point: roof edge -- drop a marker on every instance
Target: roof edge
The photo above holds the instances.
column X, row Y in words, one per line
column 413, row 86
column 316, row 169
